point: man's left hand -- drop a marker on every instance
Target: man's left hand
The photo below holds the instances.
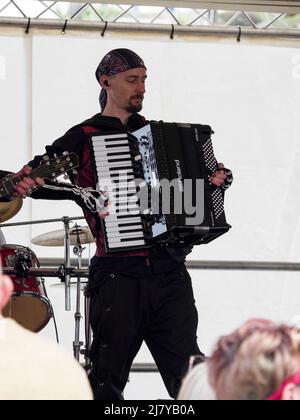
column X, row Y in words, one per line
column 219, row 177
column 27, row 185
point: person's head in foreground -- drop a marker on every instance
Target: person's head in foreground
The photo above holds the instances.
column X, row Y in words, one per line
column 6, row 288
column 195, row 385
column 259, row 361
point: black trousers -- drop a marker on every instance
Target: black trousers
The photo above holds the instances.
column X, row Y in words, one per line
column 127, row 310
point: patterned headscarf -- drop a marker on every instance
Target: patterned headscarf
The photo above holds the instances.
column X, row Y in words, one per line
column 115, row 62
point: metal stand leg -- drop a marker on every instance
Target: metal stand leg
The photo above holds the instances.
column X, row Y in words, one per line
column 66, row 222
column 77, row 344
column 88, row 329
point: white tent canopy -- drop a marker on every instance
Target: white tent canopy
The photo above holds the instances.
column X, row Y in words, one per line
column 290, row 6
column 247, row 91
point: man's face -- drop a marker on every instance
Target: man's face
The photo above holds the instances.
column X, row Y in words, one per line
column 127, row 90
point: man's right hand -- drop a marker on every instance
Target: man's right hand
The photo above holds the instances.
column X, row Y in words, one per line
column 27, row 185
column 105, row 212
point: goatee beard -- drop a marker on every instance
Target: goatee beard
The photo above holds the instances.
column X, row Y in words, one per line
column 133, row 109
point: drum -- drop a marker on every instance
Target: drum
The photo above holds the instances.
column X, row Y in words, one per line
column 29, row 304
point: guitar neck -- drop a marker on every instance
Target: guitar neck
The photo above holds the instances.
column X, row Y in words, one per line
column 9, row 184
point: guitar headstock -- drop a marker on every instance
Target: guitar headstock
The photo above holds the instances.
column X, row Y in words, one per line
column 57, row 166
column 48, row 168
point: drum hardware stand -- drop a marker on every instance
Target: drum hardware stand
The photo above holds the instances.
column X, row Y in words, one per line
column 52, row 314
column 78, row 250
column 88, row 330
column 64, row 272
column 66, row 222
column 49, row 272
column 77, row 344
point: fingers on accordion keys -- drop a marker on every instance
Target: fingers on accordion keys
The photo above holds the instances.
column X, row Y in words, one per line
column 105, row 194
column 103, row 202
column 107, row 203
column 138, row 158
column 104, row 213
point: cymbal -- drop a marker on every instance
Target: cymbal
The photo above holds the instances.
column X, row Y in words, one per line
column 57, row 237
column 9, row 209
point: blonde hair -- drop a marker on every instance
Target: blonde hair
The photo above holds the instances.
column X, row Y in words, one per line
column 254, row 361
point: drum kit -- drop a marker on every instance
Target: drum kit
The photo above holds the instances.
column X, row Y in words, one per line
column 29, row 304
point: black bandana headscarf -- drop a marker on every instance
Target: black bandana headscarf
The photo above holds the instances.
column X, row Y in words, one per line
column 115, row 62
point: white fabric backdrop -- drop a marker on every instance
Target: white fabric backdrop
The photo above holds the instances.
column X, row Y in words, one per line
column 249, row 95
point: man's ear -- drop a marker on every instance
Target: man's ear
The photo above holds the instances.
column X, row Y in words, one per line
column 104, row 82
column 6, row 289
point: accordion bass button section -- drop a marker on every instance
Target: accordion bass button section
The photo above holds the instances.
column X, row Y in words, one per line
column 132, row 167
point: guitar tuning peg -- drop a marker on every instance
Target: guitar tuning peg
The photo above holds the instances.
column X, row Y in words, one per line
column 55, row 155
column 65, row 153
column 45, row 158
column 74, row 172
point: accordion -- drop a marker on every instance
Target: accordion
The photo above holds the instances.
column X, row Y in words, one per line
column 158, row 183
